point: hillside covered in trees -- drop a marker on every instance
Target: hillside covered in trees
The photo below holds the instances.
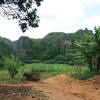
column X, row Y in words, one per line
column 55, row 47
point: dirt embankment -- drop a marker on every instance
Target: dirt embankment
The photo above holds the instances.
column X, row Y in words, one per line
column 63, row 87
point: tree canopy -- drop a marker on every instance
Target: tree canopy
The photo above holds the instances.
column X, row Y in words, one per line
column 25, row 11
column 91, row 48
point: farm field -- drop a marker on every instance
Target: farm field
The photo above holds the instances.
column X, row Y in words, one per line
column 46, row 70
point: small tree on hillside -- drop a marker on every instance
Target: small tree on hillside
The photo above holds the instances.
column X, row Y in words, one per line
column 12, row 65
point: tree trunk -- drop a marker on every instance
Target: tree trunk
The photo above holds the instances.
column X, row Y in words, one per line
column 77, row 66
column 98, row 62
column 94, row 62
column 90, row 65
column 80, row 68
column 91, row 68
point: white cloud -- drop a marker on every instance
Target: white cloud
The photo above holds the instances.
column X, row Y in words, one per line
column 94, row 21
column 65, row 14
column 65, row 11
column 9, row 29
column 90, row 1
column 59, row 15
column 87, row 3
column 44, row 28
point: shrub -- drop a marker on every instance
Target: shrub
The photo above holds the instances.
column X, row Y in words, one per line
column 1, row 64
column 12, row 65
column 32, row 61
column 33, row 68
column 85, row 75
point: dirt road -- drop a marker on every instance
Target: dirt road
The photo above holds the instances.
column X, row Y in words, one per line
column 63, row 87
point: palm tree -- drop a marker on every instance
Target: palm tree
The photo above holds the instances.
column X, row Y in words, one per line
column 92, row 48
column 96, row 40
column 85, row 50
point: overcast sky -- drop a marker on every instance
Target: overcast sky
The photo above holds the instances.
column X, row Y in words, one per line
column 57, row 16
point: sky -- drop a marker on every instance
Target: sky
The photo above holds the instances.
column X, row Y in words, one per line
column 56, row 16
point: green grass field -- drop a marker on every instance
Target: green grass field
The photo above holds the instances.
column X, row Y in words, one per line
column 47, row 70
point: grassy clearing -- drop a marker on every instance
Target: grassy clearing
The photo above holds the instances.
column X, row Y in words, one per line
column 5, row 76
column 45, row 69
column 49, row 70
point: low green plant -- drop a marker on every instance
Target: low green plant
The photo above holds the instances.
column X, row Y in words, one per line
column 45, row 68
column 1, row 64
column 84, row 75
column 33, row 68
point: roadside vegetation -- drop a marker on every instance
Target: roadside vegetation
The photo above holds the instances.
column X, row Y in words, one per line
column 46, row 70
column 49, row 70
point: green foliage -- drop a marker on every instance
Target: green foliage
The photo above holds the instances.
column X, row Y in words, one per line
column 91, row 50
column 52, row 48
column 6, row 48
column 55, row 47
column 52, row 69
column 23, row 70
column 24, row 13
column 86, row 49
column 12, row 65
column 85, row 75
column 54, row 62
column 69, row 58
column 5, row 76
column 60, row 58
column 89, row 37
column 1, row 64
column 46, row 67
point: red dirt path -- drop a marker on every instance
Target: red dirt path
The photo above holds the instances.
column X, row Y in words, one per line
column 63, row 87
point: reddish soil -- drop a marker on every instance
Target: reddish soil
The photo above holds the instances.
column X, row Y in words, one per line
column 63, row 87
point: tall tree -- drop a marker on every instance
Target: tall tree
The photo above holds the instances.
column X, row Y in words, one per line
column 86, row 50
column 22, row 10
column 96, row 39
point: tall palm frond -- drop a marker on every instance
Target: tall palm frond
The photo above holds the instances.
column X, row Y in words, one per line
column 88, row 37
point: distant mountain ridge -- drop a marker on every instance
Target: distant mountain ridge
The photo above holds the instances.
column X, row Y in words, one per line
column 52, row 46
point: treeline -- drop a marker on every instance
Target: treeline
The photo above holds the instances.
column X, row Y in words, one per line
column 55, row 47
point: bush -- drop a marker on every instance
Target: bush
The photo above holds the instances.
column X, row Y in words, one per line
column 33, row 68
column 85, row 75
column 49, row 62
column 12, row 65
column 23, row 64
column 54, row 62
column 32, row 61
column 60, row 58
column 1, row 64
